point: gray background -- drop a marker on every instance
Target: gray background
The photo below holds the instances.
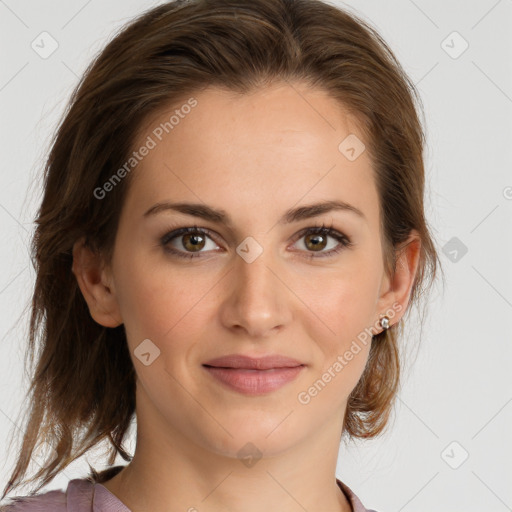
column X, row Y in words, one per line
column 456, row 395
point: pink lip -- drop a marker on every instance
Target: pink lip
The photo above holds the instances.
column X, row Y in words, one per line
column 254, row 376
column 254, row 363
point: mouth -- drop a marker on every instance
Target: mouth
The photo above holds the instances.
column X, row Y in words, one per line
column 274, row 361
column 254, row 376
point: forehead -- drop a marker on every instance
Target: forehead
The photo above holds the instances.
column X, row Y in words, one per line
column 278, row 145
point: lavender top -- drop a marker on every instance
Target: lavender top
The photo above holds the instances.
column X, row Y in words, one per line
column 83, row 495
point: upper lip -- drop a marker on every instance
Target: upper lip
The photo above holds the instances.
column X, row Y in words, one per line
column 254, row 363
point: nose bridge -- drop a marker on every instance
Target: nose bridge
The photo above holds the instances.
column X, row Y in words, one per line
column 255, row 281
column 257, row 299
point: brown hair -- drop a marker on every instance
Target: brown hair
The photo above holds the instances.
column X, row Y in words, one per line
column 83, row 387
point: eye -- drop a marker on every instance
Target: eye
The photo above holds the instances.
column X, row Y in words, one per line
column 189, row 242
column 315, row 240
column 184, row 242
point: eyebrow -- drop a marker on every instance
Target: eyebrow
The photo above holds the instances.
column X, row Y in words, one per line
column 220, row 216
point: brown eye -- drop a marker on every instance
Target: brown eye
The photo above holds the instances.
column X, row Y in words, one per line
column 189, row 242
column 315, row 241
column 193, row 242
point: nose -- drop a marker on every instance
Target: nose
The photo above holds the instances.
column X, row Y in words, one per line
column 257, row 302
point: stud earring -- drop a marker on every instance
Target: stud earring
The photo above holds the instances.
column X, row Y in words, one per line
column 384, row 322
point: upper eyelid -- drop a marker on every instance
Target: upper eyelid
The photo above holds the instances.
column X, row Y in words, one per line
column 178, row 232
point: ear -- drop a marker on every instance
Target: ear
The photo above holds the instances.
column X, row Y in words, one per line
column 397, row 289
column 96, row 284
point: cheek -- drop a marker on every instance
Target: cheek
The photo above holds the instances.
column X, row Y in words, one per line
column 344, row 302
column 343, row 306
column 343, row 345
column 162, row 303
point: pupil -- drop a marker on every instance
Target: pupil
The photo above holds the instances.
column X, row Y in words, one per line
column 194, row 241
column 314, row 240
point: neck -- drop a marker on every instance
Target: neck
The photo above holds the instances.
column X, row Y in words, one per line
column 169, row 472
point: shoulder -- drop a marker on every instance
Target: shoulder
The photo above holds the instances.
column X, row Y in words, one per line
column 78, row 495
column 357, row 506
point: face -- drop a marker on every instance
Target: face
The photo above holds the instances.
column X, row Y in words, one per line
column 252, row 276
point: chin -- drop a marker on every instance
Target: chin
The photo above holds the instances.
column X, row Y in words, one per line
column 251, row 439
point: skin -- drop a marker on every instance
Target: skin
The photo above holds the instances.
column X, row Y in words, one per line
column 275, row 149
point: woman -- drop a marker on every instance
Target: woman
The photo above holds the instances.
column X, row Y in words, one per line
column 231, row 231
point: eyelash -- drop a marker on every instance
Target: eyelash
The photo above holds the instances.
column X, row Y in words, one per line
column 316, row 230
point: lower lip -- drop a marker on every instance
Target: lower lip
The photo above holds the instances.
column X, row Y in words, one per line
column 254, row 382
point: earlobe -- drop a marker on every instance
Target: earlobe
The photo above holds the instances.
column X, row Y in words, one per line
column 96, row 286
column 399, row 286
